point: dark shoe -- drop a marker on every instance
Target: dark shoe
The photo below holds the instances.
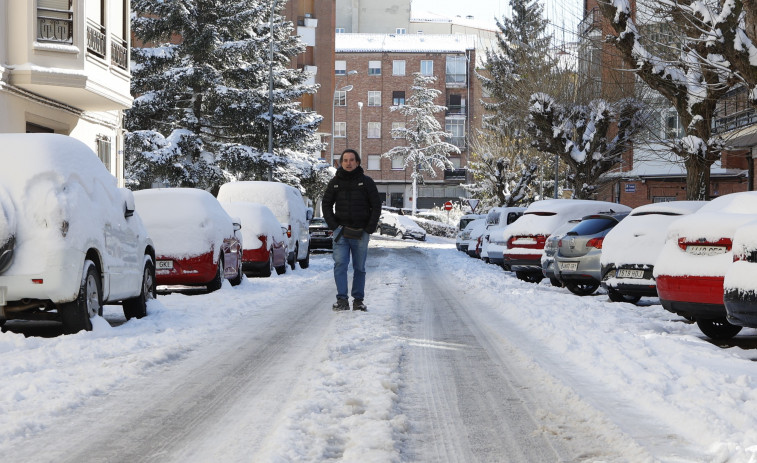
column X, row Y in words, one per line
column 358, row 304
column 341, row 304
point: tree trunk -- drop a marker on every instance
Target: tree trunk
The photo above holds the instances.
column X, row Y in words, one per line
column 697, row 179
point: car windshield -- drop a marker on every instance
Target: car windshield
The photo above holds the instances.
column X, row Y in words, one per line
column 592, row 226
column 317, row 221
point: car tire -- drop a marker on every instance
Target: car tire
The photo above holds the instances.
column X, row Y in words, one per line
column 616, row 296
column 530, row 277
column 216, row 283
column 293, row 262
column 77, row 315
column 266, row 272
column 582, row 289
column 717, row 328
column 555, row 282
column 305, row 263
column 137, row 307
column 237, row 280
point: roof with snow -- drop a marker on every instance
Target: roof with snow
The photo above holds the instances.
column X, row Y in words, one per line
column 404, row 43
column 467, row 21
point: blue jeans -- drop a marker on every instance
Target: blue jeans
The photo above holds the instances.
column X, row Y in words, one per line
column 343, row 249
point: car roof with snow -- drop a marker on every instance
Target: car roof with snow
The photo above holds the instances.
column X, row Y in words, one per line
column 639, row 238
column 183, row 222
column 543, row 217
column 718, row 218
column 276, row 195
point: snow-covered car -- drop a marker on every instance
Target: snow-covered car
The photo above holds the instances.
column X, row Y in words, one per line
column 578, row 252
column 461, row 224
column 400, row 226
column 631, row 248
column 321, row 237
column 696, row 255
column 740, row 282
column 196, row 242
column 497, row 219
column 71, row 239
column 264, row 240
column 286, row 203
column 522, row 244
column 472, row 235
column 550, row 249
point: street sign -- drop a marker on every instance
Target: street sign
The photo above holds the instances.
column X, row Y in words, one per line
column 448, row 206
column 473, row 203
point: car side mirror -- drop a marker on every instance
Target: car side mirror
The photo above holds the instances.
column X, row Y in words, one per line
column 129, row 205
column 237, row 226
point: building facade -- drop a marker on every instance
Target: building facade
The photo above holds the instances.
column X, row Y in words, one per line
column 374, row 76
column 64, row 68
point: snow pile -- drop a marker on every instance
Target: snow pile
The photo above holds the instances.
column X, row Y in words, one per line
column 742, row 275
column 183, row 222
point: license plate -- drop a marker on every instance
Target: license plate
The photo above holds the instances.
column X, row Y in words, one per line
column 571, row 266
column 524, row 241
column 164, row 265
column 701, row 250
column 319, row 233
column 628, row 273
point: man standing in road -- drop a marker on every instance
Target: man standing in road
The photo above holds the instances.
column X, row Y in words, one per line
column 351, row 207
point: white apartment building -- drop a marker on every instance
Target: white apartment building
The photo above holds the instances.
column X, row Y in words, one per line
column 64, row 68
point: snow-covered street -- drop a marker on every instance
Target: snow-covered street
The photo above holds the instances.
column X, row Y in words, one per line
column 456, row 360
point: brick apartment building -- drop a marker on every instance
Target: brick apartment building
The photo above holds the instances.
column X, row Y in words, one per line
column 364, row 101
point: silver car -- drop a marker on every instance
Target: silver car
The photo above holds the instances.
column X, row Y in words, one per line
column 578, row 252
column 550, row 249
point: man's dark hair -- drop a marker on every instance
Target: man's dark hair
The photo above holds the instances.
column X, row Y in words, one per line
column 350, row 150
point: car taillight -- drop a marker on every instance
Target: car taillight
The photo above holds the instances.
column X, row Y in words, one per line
column 595, row 243
column 289, row 231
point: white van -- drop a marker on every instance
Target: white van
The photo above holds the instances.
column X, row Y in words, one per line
column 287, row 205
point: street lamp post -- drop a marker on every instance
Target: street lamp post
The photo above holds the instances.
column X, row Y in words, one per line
column 360, row 145
column 270, row 95
column 346, row 88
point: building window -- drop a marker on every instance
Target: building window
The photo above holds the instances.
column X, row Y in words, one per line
column 401, row 30
column 398, row 98
column 340, row 30
column 34, row 128
column 374, row 98
column 456, row 104
column 663, row 199
column 374, row 68
column 103, row 150
column 398, row 162
column 398, row 67
column 397, row 126
column 457, row 128
column 456, row 69
column 374, row 130
column 340, row 98
column 55, row 21
column 340, row 129
column 340, row 68
column 427, row 67
column 374, row 162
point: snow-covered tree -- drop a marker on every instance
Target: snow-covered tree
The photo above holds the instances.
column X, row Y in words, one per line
column 201, row 82
column 581, row 136
column 692, row 83
column 425, row 148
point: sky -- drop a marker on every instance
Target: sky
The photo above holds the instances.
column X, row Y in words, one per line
column 564, row 14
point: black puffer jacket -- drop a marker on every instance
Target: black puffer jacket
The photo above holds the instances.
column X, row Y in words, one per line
column 352, row 200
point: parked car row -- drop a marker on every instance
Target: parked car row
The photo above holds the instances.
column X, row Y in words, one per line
column 72, row 241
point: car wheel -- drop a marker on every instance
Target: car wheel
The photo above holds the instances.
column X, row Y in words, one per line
column 582, row 289
column 216, row 283
column 616, row 296
column 399, row 234
column 717, row 328
column 269, row 269
column 76, row 316
column 530, row 277
column 293, row 262
column 305, row 263
column 555, row 282
column 237, row 280
column 137, row 307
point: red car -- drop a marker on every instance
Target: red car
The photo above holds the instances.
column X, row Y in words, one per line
column 265, row 241
column 196, row 242
column 697, row 253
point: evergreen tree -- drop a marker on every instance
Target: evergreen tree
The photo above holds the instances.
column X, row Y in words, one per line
column 423, row 133
column 200, row 116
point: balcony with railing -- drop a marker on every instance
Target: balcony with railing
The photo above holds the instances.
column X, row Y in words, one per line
column 734, row 121
column 55, row 25
column 119, row 54
column 592, row 21
column 96, row 39
column 456, row 174
column 456, row 110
